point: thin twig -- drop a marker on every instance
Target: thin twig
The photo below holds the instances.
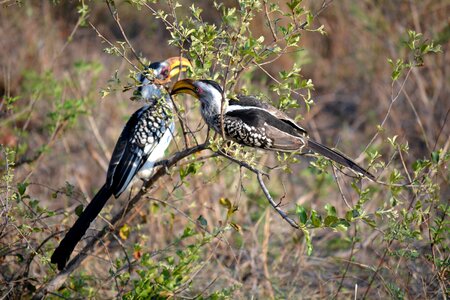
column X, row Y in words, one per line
column 115, row 14
column 115, row 47
column 380, row 264
column 275, row 205
column 266, row 192
column 441, row 129
column 180, row 120
column 393, row 99
column 269, row 21
column 340, row 188
column 341, row 283
column 419, row 122
column 69, row 39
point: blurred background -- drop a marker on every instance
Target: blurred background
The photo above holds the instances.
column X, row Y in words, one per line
column 52, row 113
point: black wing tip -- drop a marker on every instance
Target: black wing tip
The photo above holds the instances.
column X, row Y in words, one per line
column 363, row 172
column 59, row 258
column 340, row 159
column 359, row 170
column 370, row 176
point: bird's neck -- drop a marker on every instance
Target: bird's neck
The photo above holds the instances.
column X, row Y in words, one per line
column 150, row 91
column 212, row 109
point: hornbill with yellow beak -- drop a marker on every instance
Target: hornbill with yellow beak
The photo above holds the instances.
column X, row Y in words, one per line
column 251, row 122
column 143, row 141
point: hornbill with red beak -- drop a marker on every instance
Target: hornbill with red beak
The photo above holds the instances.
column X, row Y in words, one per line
column 143, row 141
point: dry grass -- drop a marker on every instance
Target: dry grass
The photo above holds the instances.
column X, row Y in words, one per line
column 266, row 257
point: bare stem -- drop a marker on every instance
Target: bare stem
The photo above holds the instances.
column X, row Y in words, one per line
column 266, row 192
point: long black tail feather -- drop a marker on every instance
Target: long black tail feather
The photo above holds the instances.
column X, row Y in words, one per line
column 339, row 158
column 73, row 236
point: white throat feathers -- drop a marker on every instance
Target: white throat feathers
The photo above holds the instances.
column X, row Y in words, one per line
column 211, row 100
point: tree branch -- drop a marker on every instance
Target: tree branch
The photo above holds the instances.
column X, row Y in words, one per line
column 275, row 205
column 266, row 192
column 56, row 282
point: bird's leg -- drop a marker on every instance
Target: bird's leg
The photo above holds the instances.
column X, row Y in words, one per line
column 164, row 164
column 143, row 187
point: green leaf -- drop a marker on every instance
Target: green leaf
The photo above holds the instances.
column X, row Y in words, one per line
column 22, row 187
column 124, row 232
column 188, row 231
column 370, row 222
column 225, row 202
column 352, row 214
column 202, row 221
column 235, row 226
column 301, row 213
column 79, row 209
column 435, row 156
column 34, row 204
column 330, row 221
column 309, row 246
column 316, row 219
column 192, row 168
column 341, row 227
column 309, row 18
column 293, row 4
column 330, row 209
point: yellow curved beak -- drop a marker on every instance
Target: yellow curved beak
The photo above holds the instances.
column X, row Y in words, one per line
column 178, row 64
column 184, row 86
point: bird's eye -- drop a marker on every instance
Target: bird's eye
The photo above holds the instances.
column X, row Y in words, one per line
column 165, row 73
column 198, row 90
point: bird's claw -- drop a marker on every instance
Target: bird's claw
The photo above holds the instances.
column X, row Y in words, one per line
column 165, row 164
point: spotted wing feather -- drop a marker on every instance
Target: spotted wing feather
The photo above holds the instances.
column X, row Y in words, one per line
column 258, row 128
column 139, row 138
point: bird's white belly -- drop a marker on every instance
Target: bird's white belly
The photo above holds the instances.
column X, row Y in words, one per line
column 157, row 154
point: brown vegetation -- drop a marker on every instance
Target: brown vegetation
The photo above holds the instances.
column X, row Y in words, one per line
column 42, row 46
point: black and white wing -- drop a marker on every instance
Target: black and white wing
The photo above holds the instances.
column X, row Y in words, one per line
column 138, row 140
column 244, row 101
column 258, row 128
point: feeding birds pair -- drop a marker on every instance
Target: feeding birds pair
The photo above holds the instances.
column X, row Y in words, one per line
column 147, row 134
